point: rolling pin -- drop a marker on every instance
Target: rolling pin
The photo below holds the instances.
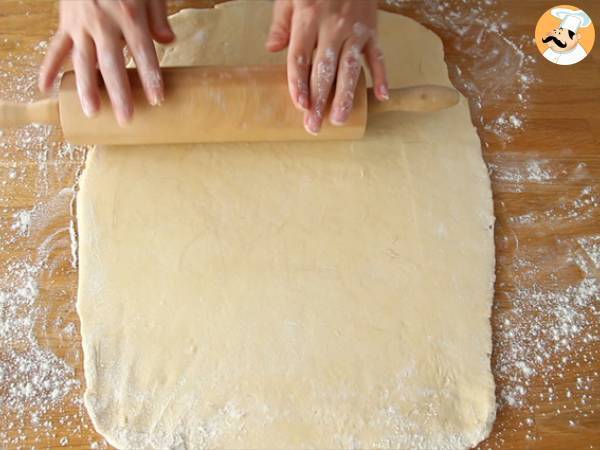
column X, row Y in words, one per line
column 213, row 104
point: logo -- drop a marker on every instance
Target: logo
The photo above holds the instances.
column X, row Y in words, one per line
column 565, row 35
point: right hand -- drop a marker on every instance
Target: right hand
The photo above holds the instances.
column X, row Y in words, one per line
column 97, row 31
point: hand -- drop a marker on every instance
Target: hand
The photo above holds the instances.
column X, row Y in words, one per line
column 96, row 31
column 337, row 32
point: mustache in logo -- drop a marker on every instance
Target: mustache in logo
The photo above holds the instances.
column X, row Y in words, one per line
column 556, row 41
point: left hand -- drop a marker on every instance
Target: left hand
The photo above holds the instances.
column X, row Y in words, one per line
column 94, row 33
column 337, row 32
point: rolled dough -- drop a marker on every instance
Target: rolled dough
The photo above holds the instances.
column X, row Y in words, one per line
column 292, row 295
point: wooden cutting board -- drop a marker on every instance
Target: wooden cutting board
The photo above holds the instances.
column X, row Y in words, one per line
column 546, row 180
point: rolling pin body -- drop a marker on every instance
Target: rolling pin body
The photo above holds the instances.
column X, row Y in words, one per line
column 205, row 104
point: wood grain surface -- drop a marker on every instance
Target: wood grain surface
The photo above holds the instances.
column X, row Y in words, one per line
column 562, row 128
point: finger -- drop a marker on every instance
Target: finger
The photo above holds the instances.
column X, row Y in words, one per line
column 279, row 34
column 302, row 43
column 137, row 36
column 157, row 20
column 112, row 67
column 142, row 49
column 347, row 79
column 57, row 52
column 322, row 75
column 376, row 63
column 84, row 63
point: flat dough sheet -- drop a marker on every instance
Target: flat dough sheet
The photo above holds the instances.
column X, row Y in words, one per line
column 291, row 295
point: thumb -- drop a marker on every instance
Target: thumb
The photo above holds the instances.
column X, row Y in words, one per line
column 279, row 35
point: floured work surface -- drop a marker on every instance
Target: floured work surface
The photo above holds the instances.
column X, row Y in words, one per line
column 291, row 295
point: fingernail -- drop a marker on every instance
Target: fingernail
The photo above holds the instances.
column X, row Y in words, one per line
column 154, row 87
column 303, row 100
column 384, row 93
column 312, row 125
column 121, row 120
column 123, row 116
column 156, row 98
column 272, row 40
column 88, row 108
column 168, row 31
column 338, row 117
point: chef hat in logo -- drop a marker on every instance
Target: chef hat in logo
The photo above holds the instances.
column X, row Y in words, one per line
column 572, row 20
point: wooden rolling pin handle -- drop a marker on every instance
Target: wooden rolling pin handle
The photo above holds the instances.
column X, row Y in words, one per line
column 426, row 98
column 21, row 114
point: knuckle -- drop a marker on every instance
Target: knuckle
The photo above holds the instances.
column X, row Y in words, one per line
column 360, row 30
column 329, row 56
column 378, row 53
column 351, row 62
column 300, row 85
column 324, row 74
column 338, row 24
column 299, row 61
column 353, row 53
column 307, row 16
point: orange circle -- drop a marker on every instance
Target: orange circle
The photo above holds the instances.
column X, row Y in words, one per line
column 548, row 22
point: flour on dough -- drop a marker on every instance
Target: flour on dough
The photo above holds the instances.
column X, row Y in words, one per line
column 291, row 295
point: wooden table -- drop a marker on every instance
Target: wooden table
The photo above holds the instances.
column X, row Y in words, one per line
column 541, row 176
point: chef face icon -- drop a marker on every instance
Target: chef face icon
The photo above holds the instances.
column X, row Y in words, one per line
column 561, row 40
column 565, row 35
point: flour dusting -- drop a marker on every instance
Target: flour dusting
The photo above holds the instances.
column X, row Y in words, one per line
column 40, row 389
column 22, row 222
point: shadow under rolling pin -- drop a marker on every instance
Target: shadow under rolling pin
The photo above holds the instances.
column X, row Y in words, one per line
column 214, row 104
